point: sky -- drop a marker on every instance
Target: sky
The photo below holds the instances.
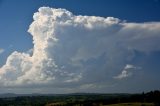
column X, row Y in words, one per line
column 67, row 46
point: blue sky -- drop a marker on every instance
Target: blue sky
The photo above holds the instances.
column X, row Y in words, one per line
column 142, row 54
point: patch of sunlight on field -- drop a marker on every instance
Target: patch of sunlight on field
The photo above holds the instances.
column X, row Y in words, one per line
column 131, row 104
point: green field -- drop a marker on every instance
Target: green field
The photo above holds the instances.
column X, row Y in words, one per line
column 131, row 104
column 119, row 104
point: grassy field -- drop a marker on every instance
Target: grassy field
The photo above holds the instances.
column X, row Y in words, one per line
column 131, row 104
column 119, row 104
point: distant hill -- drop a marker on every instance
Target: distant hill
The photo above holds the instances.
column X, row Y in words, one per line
column 8, row 95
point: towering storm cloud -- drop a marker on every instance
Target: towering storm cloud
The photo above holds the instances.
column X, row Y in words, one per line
column 80, row 51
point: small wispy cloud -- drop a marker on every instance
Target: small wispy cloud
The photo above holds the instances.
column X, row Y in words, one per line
column 1, row 50
column 126, row 72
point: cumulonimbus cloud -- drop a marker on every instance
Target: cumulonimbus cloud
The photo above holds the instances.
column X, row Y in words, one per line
column 72, row 50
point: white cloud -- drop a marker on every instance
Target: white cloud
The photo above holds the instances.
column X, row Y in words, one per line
column 126, row 72
column 72, row 50
column 1, row 51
